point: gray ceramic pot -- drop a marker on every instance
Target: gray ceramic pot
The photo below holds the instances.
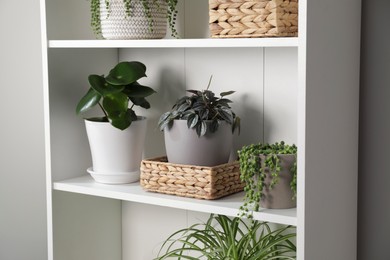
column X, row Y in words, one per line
column 183, row 146
column 280, row 196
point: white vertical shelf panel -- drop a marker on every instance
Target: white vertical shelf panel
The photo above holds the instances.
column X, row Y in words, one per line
column 68, row 79
column 165, row 71
column 165, row 74
column 280, row 95
column 332, row 112
column 240, row 70
column 86, row 227
column 78, row 221
column 68, row 19
column 146, row 227
column 196, row 19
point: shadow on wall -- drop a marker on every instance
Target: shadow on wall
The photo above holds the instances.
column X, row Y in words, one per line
column 374, row 177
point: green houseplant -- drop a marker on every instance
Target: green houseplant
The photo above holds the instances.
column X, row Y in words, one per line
column 116, row 139
column 222, row 238
column 115, row 91
column 149, row 19
column 270, row 174
column 199, row 128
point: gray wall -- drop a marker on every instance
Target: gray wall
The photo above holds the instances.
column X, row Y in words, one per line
column 374, row 154
column 22, row 178
column 22, row 185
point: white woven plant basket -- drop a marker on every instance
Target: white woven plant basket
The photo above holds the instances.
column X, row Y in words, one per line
column 116, row 25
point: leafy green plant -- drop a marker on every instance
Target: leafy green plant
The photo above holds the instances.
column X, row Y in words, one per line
column 171, row 15
column 203, row 111
column 114, row 92
column 223, row 238
column 253, row 171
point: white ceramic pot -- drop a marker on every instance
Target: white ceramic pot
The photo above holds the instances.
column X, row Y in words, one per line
column 116, row 154
column 183, row 146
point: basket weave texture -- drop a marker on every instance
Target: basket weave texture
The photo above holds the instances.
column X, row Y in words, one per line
column 117, row 25
column 157, row 175
column 253, row 18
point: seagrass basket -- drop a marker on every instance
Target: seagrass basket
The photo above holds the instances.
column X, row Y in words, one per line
column 253, row 18
column 201, row 182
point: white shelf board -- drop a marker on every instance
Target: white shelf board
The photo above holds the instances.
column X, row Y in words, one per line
column 177, row 43
column 133, row 192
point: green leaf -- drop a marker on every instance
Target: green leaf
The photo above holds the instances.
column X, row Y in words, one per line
column 99, row 84
column 192, row 120
column 126, row 72
column 201, row 128
column 196, row 92
column 227, row 93
column 142, row 102
column 138, row 91
column 165, row 120
column 88, row 101
column 123, row 120
column 226, row 115
column 214, row 126
column 115, row 104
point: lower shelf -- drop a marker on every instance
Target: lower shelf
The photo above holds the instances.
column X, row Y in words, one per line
column 133, row 192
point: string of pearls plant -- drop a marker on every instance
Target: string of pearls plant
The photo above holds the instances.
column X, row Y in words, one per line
column 254, row 175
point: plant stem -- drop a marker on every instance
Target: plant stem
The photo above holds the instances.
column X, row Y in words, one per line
column 211, row 77
column 100, row 105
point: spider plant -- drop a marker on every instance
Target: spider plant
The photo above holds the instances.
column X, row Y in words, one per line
column 224, row 238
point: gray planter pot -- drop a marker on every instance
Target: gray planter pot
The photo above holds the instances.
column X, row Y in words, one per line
column 183, row 146
column 280, row 196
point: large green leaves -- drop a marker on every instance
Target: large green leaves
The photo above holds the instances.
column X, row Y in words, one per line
column 115, row 103
column 116, row 90
column 138, row 91
column 99, row 84
column 88, row 101
column 126, row 73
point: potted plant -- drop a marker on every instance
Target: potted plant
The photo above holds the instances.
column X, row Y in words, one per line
column 223, row 238
column 199, row 129
column 270, row 175
column 117, row 138
column 133, row 19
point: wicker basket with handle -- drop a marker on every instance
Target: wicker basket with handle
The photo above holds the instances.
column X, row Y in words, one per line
column 253, row 18
column 200, row 182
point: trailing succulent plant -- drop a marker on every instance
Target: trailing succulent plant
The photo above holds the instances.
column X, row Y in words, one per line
column 114, row 92
column 171, row 15
column 254, row 175
column 223, row 238
column 203, row 111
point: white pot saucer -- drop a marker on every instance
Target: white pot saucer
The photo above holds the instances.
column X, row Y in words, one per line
column 114, row 177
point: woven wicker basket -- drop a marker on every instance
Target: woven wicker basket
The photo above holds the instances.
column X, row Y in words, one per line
column 116, row 25
column 253, row 18
column 200, row 182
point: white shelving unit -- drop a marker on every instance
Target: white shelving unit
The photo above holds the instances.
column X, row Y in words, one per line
column 302, row 90
column 176, row 43
column 133, row 192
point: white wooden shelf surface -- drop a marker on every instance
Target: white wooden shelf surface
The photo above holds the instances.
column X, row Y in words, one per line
column 177, row 43
column 133, row 192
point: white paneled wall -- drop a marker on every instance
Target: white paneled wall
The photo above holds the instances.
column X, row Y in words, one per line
column 265, row 81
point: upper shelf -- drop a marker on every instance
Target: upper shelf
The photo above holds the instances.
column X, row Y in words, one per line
column 133, row 192
column 177, row 43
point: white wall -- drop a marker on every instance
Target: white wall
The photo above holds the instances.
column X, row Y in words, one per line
column 374, row 173
column 22, row 182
